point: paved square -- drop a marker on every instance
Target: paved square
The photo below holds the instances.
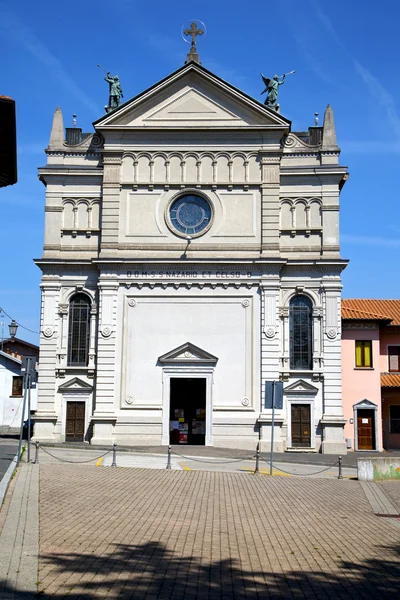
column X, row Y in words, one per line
column 138, row 533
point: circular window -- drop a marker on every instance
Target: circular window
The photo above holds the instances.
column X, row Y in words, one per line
column 190, row 215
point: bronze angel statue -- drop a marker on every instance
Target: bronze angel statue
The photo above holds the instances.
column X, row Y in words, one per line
column 272, row 87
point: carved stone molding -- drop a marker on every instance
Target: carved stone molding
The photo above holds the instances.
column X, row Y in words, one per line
column 245, row 303
column 129, row 400
column 331, row 333
column 106, row 331
column 63, row 309
column 269, row 332
column 245, row 401
column 48, row 332
column 132, row 302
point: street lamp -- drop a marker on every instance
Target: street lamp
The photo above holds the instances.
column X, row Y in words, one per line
column 13, row 326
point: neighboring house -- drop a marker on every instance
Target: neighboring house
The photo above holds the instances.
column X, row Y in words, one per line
column 191, row 255
column 11, row 383
column 371, row 373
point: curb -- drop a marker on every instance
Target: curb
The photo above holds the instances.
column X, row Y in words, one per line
column 5, row 482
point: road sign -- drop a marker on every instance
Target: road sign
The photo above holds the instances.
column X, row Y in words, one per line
column 274, row 399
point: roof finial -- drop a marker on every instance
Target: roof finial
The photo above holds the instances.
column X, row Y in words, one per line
column 329, row 135
column 193, row 30
column 316, row 119
column 57, row 130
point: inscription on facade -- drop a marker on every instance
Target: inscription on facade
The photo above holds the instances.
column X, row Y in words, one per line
column 189, row 274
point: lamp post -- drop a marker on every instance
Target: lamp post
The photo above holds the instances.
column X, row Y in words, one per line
column 13, row 326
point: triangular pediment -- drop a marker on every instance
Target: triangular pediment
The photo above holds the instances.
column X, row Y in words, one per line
column 192, row 97
column 365, row 404
column 75, row 385
column 187, row 353
column 300, row 387
column 191, row 105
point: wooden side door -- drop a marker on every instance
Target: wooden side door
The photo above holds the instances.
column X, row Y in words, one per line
column 301, row 425
column 75, row 426
column 366, row 429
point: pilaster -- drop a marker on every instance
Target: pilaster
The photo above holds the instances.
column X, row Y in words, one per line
column 111, row 201
column 270, row 189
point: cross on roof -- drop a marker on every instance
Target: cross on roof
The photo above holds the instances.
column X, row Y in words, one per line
column 193, row 31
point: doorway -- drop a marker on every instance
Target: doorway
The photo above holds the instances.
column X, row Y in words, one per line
column 301, row 425
column 75, row 422
column 187, row 423
column 366, row 429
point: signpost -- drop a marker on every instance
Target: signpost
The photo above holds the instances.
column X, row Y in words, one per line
column 273, row 399
column 28, row 371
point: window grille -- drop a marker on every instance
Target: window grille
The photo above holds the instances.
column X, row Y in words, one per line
column 300, row 331
column 79, row 330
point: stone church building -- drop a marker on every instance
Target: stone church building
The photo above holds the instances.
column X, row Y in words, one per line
column 191, row 254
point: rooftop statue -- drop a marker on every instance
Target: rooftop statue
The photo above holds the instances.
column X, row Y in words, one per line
column 115, row 90
column 272, row 87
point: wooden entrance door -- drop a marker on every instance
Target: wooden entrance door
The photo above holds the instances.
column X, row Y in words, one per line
column 75, row 427
column 366, row 429
column 301, row 425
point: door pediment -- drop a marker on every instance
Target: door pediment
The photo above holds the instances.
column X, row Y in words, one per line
column 75, row 385
column 365, row 404
column 300, row 388
column 187, row 353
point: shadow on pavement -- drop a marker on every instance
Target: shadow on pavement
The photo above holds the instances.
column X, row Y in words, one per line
column 153, row 572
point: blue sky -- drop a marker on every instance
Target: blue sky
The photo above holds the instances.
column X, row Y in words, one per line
column 345, row 53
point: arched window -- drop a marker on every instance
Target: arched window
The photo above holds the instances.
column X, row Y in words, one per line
column 78, row 332
column 300, row 324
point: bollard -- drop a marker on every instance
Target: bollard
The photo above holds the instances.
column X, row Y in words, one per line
column 169, row 458
column 257, row 469
column 114, row 460
column 36, row 461
column 340, row 476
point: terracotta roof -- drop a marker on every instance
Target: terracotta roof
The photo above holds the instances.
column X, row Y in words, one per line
column 390, row 379
column 369, row 309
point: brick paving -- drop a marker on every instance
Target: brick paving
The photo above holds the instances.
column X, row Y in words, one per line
column 137, row 533
column 392, row 490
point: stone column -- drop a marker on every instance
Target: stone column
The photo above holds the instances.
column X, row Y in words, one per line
column 332, row 421
column 271, row 339
column 104, row 416
column 47, row 411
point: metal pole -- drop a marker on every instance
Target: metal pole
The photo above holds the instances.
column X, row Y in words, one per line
column 114, row 460
column 36, row 461
column 29, row 418
column 169, row 458
column 340, row 476
column 23, row 411
column 257, row 469
column 271, row 458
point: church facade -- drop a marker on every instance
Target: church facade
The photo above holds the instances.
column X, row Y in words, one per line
column 191, row 255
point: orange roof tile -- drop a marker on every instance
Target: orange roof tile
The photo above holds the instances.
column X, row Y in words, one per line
column 376, row 309
column 390, row 379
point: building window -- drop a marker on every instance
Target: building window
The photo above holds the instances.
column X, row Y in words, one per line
column 16, row 385
column 78, row 332
column 300, row 327
column 364, row 354
column 394, row 411
column 394, row 358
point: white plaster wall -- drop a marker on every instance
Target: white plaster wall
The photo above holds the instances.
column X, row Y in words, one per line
column 221, row 325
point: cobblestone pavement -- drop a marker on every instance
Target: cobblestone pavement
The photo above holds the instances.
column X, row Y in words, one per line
column 150, row 534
